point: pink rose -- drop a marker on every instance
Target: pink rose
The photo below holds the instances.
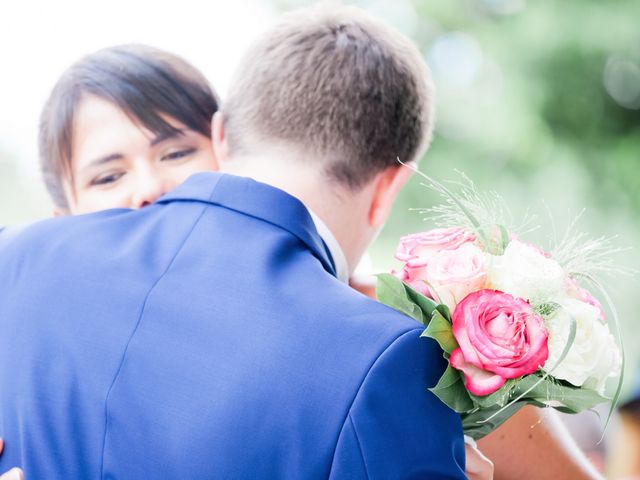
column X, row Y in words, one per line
column 416, row 278
column 416, row 249
column 500, row 337
column 576, row 291
column 453, row 274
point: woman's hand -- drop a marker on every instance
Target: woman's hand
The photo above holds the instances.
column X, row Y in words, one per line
column 14, row 473
column 535, row 444
column 479, row 467
column 365, row 284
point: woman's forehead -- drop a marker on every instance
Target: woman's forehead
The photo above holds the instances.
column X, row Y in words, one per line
column 100, row 126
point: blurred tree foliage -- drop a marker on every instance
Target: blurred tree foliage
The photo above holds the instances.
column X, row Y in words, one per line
column 539, row 101
column 522, row 93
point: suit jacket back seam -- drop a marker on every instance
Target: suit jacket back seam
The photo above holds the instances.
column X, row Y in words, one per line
column 135, row 329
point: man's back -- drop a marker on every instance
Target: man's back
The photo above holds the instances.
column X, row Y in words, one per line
column 205, row 337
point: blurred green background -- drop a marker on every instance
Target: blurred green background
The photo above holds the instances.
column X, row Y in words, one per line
column 539, row 101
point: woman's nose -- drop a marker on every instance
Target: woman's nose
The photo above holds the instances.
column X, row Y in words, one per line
column 148, row 191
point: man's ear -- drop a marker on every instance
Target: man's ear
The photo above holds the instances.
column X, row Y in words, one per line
column 388, row 184
column 220, row 146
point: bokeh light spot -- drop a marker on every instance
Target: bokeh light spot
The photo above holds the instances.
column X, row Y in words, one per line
column 622, row 81
column 456, row 59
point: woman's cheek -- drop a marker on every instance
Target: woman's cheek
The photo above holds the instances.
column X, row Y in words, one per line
column 94, row 200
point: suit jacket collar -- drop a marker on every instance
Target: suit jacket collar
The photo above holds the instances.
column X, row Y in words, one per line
column 333, row 247
column 258, row 200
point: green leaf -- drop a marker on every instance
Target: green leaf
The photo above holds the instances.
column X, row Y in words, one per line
column 439, row 329
column 392, row 291
column 534, row 390
column 475, row 425
column 498, row 240
column 451, row 390
column 563, row 395
column 498, row 398
column 505, row 237
column 395, row 293
column 444, row 311
column 427, row 305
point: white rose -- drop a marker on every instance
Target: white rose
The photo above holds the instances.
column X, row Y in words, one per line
column 524, row 271
column 593, row 356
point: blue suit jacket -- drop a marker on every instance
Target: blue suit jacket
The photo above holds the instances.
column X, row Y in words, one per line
column 206, row 337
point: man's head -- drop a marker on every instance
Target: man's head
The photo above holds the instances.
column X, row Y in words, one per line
column 337, row 97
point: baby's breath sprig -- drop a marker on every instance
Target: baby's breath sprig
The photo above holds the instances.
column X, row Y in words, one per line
column 582, row 256
column 483, row 213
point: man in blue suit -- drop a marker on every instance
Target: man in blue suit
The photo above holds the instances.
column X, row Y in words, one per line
column 212, row 335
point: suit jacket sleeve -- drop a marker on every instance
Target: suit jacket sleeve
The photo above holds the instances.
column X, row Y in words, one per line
column 396, row 428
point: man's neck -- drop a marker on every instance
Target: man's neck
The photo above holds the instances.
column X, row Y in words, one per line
column 340, row 210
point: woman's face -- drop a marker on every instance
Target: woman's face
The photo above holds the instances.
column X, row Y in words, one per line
column 119, row 164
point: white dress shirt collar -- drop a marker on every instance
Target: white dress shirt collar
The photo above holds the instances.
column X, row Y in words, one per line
column 339, row 260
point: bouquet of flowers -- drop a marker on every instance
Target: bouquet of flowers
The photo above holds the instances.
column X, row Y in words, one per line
column 514, row 322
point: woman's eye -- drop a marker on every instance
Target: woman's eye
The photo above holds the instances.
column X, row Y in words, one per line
column 107, row 179
column 178, row 154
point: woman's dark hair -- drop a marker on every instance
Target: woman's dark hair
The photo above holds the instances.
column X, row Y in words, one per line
column 144, row 82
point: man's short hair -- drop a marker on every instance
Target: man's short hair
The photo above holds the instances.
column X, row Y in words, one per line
column 337, row 86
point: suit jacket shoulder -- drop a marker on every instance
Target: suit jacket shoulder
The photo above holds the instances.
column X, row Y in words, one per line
column 206, row 337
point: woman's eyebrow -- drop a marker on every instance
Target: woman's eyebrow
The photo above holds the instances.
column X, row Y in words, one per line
column 102, row 160
column 166, row 136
